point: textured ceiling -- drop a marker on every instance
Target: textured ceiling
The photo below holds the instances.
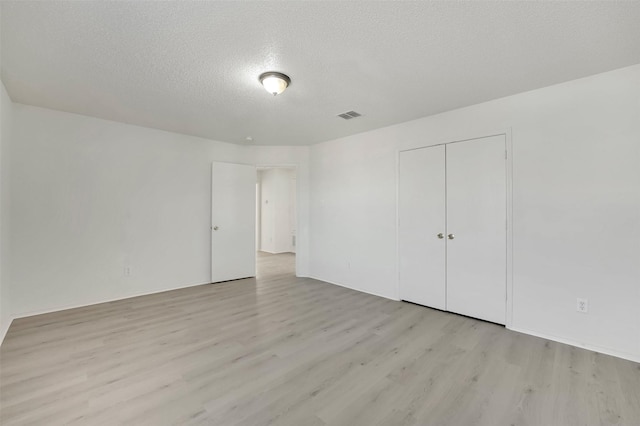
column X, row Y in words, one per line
column 193, row 67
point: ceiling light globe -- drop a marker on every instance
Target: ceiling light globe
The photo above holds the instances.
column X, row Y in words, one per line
column 274, row 82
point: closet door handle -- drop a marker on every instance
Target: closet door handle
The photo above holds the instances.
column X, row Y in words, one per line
column 451, row 236
column 441, row 235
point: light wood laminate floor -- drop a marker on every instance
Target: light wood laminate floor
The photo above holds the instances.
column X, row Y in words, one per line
column 290, row 351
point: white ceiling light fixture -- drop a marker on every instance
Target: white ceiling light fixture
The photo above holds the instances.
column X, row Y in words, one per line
column 274, row 82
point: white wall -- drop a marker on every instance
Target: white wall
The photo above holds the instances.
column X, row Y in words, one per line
column 576, row 205
column 266, row 180
column 6, row 118
column 258, row 209
column 92, row 197
column 277, row 221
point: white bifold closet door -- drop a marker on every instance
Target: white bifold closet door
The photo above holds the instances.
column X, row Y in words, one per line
column 422, row 218
column 452, row 227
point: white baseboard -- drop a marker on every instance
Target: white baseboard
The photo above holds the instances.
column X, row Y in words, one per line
column 628, row 356
column 353, row 288
column 594, row 348
column 602, row 350
column 277, row 252
column 98, row 302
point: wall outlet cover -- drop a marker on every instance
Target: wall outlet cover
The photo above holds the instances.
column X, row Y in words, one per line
column 582, row 305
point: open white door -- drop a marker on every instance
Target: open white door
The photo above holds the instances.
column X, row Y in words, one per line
column 233, row 221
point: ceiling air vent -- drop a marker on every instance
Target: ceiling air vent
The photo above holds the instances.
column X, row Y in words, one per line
column 349, row 115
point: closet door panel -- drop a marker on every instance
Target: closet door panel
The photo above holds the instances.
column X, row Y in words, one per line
column 421, row 217
column 476, row 228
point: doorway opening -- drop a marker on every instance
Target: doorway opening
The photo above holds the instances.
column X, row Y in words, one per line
column 276, row 220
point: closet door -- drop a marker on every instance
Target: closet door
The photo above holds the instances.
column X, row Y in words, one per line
column 421, row 217
column 476, row 228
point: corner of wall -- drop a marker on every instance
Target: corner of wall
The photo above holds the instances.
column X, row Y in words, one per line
column 4, row 328
column 6, row 118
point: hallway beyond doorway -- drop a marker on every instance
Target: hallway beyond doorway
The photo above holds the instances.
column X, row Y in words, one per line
column 275, row 265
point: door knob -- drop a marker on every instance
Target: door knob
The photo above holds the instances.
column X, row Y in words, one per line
column 451, row 236
column 215, row 228
column 441, row 235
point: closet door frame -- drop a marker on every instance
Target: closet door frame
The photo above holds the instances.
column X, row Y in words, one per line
column 465, row 137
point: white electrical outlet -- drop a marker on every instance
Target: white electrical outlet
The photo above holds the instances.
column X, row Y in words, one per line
column 582, row 305
column 127, row 271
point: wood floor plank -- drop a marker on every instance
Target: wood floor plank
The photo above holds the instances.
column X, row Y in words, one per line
column 281, row 350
